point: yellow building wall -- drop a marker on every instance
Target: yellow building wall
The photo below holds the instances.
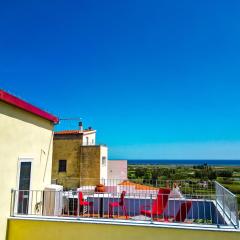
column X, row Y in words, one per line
column 84, row 165
column 53, row 230
column 67, row 149
column 22, row 135
column 92, row 170
column 90, row 165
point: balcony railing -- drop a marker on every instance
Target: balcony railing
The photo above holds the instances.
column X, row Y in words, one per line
column 145, row 201
column 227, row 201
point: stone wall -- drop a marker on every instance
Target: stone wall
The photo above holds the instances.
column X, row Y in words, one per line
column 67, row 149
column 83, row 162
column 90, row 165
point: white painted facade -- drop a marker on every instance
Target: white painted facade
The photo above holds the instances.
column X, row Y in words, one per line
column 89, row 138
column 117, row 169
column 104, row 162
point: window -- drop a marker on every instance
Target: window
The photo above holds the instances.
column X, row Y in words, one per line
column 104, row 161
column 62, row 166
column 24, row 186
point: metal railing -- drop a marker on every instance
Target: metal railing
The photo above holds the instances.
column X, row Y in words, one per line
column 186, row 186
column 142, row 201
column 227, row 202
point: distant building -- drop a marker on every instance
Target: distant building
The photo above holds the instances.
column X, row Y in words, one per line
column 26, row 138
column 77, row 159
column 117, row 169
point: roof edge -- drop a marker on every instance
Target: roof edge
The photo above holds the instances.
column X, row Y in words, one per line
column 74, row 132
column 19, row 103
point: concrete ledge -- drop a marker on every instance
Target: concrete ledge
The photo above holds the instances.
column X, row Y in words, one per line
column 61, row 229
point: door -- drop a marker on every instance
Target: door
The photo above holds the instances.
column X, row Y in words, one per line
column 24, row 186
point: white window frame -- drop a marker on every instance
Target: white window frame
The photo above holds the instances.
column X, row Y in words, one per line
column 21, row 160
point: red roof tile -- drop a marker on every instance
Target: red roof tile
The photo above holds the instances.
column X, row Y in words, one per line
column 137, row 185
column 72, row 132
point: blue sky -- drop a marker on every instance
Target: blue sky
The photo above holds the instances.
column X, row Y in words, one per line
column 157, row 79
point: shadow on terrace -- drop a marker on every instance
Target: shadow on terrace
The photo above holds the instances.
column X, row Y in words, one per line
column 138, row 201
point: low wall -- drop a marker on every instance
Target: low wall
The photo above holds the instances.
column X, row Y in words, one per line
column 21, row 229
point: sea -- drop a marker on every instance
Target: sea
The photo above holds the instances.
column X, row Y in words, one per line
column 185, row 162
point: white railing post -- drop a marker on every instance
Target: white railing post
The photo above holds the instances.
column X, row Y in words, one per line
column 151, row 208
column 236, row 211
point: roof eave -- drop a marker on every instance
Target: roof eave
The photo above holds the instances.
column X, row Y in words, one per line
column 17, row 102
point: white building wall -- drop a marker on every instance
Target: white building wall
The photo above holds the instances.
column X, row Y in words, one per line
column 104, row 162
column 117, row 169
column 89, row 138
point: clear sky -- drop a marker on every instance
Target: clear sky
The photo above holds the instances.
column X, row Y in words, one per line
column 157, row 79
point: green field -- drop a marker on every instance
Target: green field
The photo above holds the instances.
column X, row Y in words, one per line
column 228, row 176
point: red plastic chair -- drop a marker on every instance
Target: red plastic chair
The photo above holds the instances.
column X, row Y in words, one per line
column 158, row 205
column 81, row 201
column 121, row 204
column 182, row 213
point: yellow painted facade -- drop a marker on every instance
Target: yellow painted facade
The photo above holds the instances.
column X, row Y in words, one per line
column 69, row 150
column 23, row 136
column 59, row 230
column 84, row 162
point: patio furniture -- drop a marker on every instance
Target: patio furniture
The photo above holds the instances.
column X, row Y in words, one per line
column 121, row 204
column 82, row 202
column 158, row 205
column 182, row 213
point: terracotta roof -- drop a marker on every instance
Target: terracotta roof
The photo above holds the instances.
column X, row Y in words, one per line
column 137, row 185
column 19, row 103
column 72, row 132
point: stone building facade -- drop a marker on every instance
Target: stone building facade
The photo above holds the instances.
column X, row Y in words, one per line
column 77, row 160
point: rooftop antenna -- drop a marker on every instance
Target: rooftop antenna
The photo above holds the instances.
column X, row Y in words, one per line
column 71, row 121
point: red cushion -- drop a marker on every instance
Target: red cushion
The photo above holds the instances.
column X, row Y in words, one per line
column 85, row 203
column 114, row 204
